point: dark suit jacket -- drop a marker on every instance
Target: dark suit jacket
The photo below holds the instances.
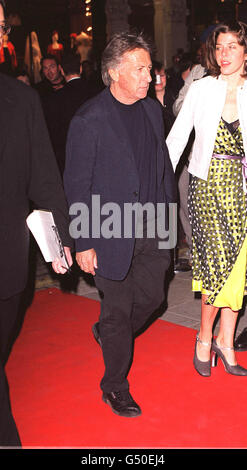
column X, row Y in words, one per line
column 59, row 108
column 100, row 161
column 28, row 172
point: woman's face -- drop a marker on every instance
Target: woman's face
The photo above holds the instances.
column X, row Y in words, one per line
column 160, row 83
column 230, row 56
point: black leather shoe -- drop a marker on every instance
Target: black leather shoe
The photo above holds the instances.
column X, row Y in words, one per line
column 95, row 330
column 202, row 367
column 122, row 403
column 240, row 344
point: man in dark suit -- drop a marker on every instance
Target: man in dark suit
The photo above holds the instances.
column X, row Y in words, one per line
column 116, row 157
column 61, row 106
column 28, row 172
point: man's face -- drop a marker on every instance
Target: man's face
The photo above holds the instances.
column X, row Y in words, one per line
column 2, row 19
column 132, row 77
column 51, row 70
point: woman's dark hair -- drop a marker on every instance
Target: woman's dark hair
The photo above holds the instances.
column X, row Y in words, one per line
column 157, row 65
column 237, row 28
column 118, row 45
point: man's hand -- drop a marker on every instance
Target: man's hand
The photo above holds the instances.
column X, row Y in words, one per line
column 87, row 260
column 57, row 264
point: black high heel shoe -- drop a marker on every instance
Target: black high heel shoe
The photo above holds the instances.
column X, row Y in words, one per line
column 202, row 367
column 217, row 352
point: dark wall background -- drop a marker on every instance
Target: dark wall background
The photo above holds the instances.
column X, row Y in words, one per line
column 43, row 16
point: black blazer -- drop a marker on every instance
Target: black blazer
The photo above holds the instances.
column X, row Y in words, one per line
column 100, row 161
column 59, row 108
column 28, row 172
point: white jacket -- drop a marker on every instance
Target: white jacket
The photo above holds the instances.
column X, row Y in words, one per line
column 202, row 109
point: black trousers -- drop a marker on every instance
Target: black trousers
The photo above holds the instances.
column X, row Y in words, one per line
column 9, row 310
column 126, row 306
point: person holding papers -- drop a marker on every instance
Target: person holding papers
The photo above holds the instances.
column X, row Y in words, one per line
column 28, row 172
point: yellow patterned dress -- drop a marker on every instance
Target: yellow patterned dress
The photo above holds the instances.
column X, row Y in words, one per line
column 217, row 210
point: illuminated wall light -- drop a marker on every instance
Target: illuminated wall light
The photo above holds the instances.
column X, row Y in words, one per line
column 89, row 28
column 88, row 13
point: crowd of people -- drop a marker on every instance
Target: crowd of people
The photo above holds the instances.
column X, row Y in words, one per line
column 124, row 147
column 63, row 77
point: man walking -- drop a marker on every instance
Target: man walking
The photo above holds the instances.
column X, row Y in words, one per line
column 116, row 151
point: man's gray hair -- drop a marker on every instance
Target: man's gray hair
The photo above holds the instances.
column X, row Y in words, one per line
column 118, row 45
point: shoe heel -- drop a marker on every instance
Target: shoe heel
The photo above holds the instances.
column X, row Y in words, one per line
column 214, row 359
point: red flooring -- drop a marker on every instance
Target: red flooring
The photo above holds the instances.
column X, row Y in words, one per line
column 56, row 366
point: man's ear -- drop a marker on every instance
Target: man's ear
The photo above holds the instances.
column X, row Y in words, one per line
column 114, row 74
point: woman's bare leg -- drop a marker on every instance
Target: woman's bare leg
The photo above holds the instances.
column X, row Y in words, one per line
column 225, row 337
column 208, row 315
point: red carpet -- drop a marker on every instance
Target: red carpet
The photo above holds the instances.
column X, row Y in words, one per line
column 54, row 373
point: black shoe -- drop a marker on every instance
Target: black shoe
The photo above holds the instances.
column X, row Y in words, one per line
column 122, row 403
column 202, row 367
column 95, row 330
column 240, row 344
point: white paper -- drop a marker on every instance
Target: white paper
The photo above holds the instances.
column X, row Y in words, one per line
column 42, row 225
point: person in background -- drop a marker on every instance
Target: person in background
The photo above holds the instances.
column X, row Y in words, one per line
column 158, row 90
column 55, row 48
column 51, row 70
column 53, row 80
column 196, row 72
column 216, row 106
column 159, row 81
column 61, row 106
column 8, row 61
column 177, row 80
column 28, row 173
column 165, row 90
column 91, row 77
column 174, row 69
column 52, row 83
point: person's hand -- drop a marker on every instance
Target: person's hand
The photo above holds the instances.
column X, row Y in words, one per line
column 57, row 264
column 87, row 260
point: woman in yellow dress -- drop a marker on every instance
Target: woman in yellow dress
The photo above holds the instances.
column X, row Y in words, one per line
column 216, row 106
